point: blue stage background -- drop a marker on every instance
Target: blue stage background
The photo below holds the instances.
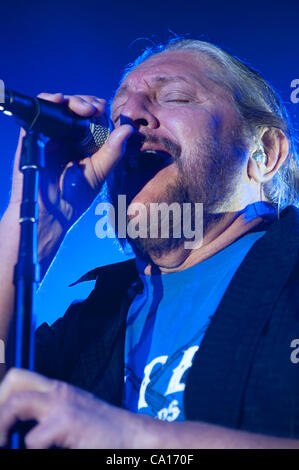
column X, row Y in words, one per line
column 82, row 47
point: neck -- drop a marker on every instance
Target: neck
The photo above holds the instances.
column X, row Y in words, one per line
column 227, row 230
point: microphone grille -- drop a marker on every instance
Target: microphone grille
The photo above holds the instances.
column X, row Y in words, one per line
column 99, row 130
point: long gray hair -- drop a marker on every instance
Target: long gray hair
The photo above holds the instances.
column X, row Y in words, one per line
column 257, row 103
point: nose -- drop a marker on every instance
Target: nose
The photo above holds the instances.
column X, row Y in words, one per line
column 139, row 112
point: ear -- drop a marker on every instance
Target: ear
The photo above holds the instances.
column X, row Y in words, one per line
column 276, row 148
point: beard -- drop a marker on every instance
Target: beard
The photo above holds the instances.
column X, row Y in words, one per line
column 207, row 174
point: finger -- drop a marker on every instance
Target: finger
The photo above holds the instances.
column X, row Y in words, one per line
column 111, row 152
column 85, row 105
column 55, row 97
column 46, row 435
column 98, row 103
column 22, row 380
column 23, row 406
column 91, row 99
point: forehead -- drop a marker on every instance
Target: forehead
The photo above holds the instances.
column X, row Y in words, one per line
column 185, row 65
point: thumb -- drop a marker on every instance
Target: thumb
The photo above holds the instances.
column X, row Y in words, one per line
column 111, row 152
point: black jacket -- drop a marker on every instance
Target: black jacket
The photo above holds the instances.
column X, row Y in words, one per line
column 242, row 375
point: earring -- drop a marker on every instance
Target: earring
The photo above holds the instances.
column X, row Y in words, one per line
column 260, row 157
column 259, row 154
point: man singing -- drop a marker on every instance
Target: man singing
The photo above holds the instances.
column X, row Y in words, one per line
column 186, row 345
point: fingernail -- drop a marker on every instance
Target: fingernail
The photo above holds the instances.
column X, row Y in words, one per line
column 132, row 131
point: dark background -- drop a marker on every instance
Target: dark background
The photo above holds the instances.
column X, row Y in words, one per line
column 82, row 47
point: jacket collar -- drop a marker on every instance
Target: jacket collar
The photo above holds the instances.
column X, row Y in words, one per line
column 223, row 362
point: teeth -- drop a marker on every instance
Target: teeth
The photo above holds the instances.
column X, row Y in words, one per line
column 158, row 153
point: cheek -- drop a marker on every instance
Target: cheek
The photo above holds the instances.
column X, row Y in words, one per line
column 201, row 124
column 189, row 126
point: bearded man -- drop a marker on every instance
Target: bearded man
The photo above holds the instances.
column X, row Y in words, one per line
column 184, row 346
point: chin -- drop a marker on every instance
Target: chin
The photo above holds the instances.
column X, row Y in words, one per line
column 155, row 248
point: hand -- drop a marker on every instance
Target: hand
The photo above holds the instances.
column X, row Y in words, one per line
column 58, row 199
column 67, row 416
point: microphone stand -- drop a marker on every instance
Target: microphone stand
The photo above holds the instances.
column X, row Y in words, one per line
column 26, row 278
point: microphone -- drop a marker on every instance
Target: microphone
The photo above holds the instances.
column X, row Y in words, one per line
column 54, row 120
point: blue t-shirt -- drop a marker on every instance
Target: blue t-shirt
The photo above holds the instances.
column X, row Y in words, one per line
column 165, row 326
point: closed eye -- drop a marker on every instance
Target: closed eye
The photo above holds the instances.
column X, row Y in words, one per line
column 178, row 100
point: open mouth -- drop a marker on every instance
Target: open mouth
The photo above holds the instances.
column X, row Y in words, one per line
column 148, row 160
column 138, row 168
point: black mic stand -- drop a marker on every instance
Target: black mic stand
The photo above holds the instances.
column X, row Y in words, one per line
column 27, row 276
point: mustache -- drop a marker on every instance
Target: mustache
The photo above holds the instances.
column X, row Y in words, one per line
column 137, row 140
